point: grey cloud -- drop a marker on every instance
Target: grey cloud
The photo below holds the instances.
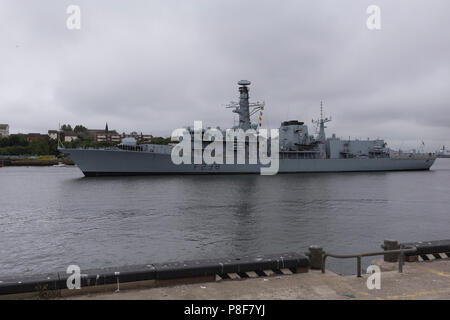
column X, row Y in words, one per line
column 156, row 65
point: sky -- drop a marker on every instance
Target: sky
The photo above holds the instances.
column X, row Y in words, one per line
column 155, row 65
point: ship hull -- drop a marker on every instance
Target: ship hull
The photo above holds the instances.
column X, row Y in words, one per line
column 94, row 162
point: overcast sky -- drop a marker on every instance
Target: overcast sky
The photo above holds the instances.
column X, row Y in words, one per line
column 153, row 66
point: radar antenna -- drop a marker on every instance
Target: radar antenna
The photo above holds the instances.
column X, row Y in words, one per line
column 58, row 136
column 244, row 108
column 320, row 124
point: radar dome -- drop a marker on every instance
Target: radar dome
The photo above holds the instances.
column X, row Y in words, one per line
column 244, row 83
column 129, row 141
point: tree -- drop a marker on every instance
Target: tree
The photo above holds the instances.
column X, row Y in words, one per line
column 66, row 127
column 39, row 147
column 14, row 140
column 161, row 140
column 53, row 147
column 80, row 129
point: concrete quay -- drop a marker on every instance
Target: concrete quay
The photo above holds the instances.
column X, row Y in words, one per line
column 424, row 275
column 419, row 280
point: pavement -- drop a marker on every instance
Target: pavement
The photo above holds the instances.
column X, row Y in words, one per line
column 419, row 280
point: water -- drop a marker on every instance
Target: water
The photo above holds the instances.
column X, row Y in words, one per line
column 52, row 217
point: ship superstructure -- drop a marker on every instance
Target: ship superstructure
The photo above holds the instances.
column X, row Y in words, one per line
column 443, row 153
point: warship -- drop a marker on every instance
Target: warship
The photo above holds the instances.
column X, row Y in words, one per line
column 443, row 153
column 298, row 151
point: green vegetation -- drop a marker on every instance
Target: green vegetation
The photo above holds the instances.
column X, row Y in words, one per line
column 66, row 127
column 79, row 129
column 18, row 144
column 161, row 140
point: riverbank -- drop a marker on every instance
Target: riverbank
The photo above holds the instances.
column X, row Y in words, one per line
column 426, row 273
column 419, row 280
column 33, row 161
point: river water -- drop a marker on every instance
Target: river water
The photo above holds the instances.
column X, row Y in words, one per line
column 52, row 217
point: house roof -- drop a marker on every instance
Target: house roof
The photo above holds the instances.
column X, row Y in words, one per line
column 102, row 131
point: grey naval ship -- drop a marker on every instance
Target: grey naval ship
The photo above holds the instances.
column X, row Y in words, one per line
column 443, row 153
column 299, row 151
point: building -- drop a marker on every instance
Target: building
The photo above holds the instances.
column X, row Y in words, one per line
column 70, row 136
column 53, row 134
column 66, row 136
column 4, row 130
column 108, row 137
column 99, row 135
column 36, row 136
column 105, row 135
column 139, row 137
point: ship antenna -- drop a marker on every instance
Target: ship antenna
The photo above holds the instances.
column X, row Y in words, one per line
column 321, row 110
column 59, row 142
column 244, row 108
column 320, row 124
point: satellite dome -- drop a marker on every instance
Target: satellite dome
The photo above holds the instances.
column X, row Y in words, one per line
column 244, row 83
column 129, row 141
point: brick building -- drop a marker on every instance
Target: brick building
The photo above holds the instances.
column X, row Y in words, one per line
column 4, row 130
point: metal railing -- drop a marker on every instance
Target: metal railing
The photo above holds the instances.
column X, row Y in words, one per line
column 401, row 257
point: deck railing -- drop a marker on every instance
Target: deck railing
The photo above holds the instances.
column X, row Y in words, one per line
column 401, row 257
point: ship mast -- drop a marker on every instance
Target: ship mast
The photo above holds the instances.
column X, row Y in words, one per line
column 321, row 124
column 244, row 108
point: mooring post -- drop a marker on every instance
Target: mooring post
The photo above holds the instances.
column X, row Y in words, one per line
column 400, row 262
column 358, row 271
column 390, row 245
column 315, row 255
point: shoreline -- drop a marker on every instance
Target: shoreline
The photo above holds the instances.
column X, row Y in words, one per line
column 248, row 277
column 27, row 162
